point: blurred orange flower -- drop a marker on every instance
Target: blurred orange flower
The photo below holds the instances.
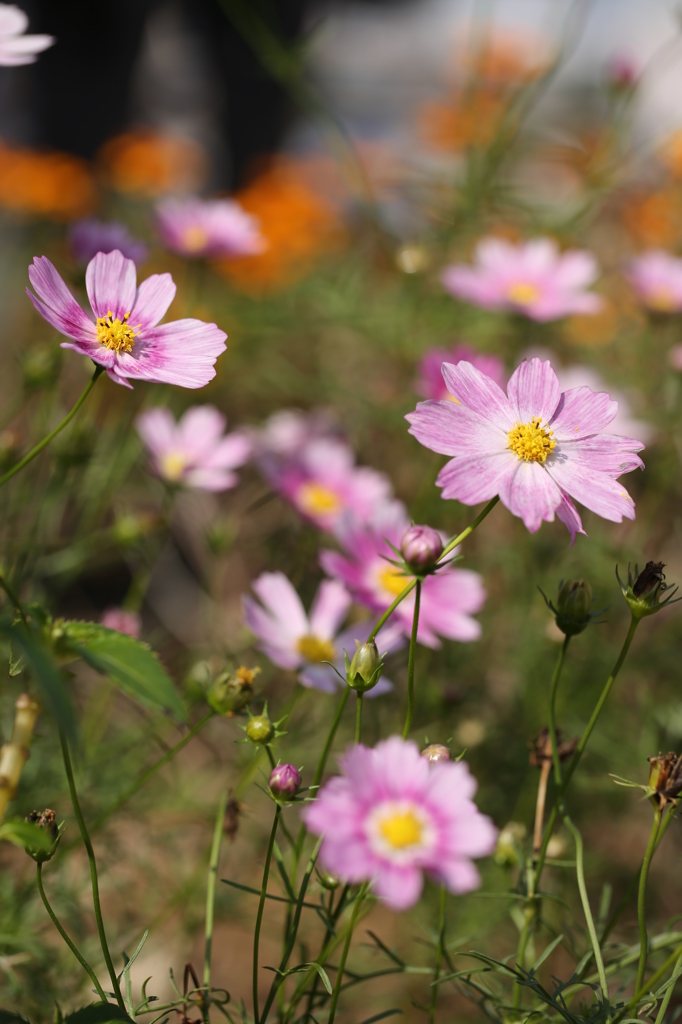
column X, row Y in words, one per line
column 462, row 121
column 148, row 164
column 670, row 154
column 508, row 58
column 655, row 218
column 296, row 222
column 46, row 184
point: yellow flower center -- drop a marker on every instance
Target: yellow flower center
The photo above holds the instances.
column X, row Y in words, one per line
column 401, row 829
column 523, row 293
column 115, row 333
column 194, row 238
column 173, row 465
column 661, row 299
column 314, row 649
column 318, row 500
column 393, row 580
column 531, row 441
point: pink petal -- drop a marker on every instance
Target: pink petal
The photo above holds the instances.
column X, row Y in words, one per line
column 533, row 390
column 568, row 514
column 200, row 428
column 279, row 597
column 110, row 284
column 182, row 352
column 398, row 887
column 57, row 305
column 210, row 479
column 329, row 609
column 319, row 677
column 576, row 270
column 531, row 493
column 117, row 379
column 476, row 478
column 454, row 429
column 458, row 876
column 156, row 427
column 607, row 453
column 13, row 21
column 276, row 638
column 479, row 393
column 580, row 412
column 398, row 768
column 593, row 489
column 232, row 451
column 153, row 298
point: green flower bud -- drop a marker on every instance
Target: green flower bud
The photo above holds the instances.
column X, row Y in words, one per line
column 509, row 849
column 47, row 821
column 573, row 607
column 328, row 880
column 364, row 671
column 260, row 729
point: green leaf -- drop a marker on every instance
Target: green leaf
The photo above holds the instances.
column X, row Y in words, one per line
column 130, row 663
column 99, row 1013
column 45, row 673
column 25, row 834
column 11, row 1018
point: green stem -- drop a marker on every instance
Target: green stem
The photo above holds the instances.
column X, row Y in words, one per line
column 666, row 999
column 93, row 870
column 76, row 952
column 521, row 951
column 344, row 953
column 439, row 955
column 218, row 832
column 580, row 872
column 50, row 437
column 358, row 717
column 582, row 743
column 446, row 551
column 12, row 595
column 259, row 916
column 641, row 899
column 552, row 710
column 410, row 662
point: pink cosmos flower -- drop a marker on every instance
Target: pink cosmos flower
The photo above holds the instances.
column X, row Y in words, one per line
column 535, row 446
column 430, row 383
column 126, row 337
column 122, row 621
column 295, row 640
column 15, row 47
column 656, row 277
column 448, row 599
column 195, row 451
column 392, row 816
column 532, row 278
column 322, row 482
column 88, row 237
column 199, row 227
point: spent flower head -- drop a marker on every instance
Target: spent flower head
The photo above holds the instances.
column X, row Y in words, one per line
column 643, row 590
column 231, row 691
column 665, row 778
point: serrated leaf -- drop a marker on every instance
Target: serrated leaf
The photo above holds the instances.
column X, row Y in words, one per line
column 99, row 1013
column 130, row 663
column 26, row 834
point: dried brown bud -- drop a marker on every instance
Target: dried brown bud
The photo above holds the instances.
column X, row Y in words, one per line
column 541, row 748
column 665, row 777
column 651, row 575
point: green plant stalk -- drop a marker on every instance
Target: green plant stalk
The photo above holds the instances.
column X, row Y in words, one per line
column 641, row 898
column 410, row 661
column 261, row 906
column 552, row 710
column 333, row 916
column 521, row 951
column 677, row 970
column 218, row 832
column 358, row 717
column 57, row 430
column 594, row 939
column 93, row 870
column 439, row 955
column 446, row 551
column 344, row 953
column 582, row 743
column 74, row 949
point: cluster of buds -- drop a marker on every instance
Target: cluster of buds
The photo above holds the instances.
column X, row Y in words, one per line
column 572, row 611
column 644, row 589
column 364, row 671
column 231, row 691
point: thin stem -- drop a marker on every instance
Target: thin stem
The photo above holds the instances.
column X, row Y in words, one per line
column 439, row 955
column 50, row 437
column 218, row 833
column 446, row 551
column 76, row 952
column 552, row 710
column 333, row 917
column 582, row 743
column 93, row 869
column 358, row 717
column 410, row 661
column 641, row 899
column 12, row 595
column 677, row 970
column 521, row 950
column 344, row 953
column 261, row 905
column 594, row 939
column 545, row 769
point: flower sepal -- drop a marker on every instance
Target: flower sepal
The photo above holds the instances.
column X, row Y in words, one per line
column 644, row 589
column 572, row 611
column 364, row 671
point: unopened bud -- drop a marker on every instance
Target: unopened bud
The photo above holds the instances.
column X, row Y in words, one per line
column 260, row 729
column 573, row 607
column 328, row 880
column 421, row 547
column 436, row 752
column 363, row 672
column 285, row 782
column 230, row 692
column 45, row 820
column 509, row 849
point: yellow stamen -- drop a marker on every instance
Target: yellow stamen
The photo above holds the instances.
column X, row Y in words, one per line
column 116, row 334
column 522, row 293
column 531, row 441
column 173, row 465
column 318, row 500
column 194, row 238
column 245, row 675
column 315, row 649
column 401, row 830
column 393, row 580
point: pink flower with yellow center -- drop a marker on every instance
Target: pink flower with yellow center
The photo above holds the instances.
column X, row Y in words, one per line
column 393, row 816
column 532, row 278
column 208, row 227
column 449, row 598
column 656, row 277
column 194, row 452
column 536, row 447
column 295, row 640
column 430, row 383
column 126, row 337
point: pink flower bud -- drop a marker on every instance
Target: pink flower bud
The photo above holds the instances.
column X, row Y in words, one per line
column 285, row 781
column 421, row 547
column 436, row 752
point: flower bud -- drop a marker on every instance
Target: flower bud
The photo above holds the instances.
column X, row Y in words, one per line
column 328, row 880
column 436, row 752
column 421, row 547
column 260, row 729
column 509, row 849
column 363, row 672
column 230, row 692
column 573, row 607
column 285, row 782
column 643, row 591
column 47, row 821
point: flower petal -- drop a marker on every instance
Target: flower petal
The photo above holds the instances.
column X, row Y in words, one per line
column 478, row 392
column 593, row 489
column 182, row 352
column 476, row 478
column 568, row 514
column 153, row 298
column 279, row 597
column 580, row 412
column 57, row 305
column 534, row 390
column 110, row 284
column 329, row 609
column 531, row 493
column 156, row 427
column 453, row 429
column 398, row 887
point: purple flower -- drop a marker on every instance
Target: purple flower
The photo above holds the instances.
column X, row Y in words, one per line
column 294, row 640
column 195, row 451
column 532, row 278
column 122, row 621
column 430, row 383
column 217, row 227
column 88, row 237
column 448, row 599
column 392, row 816
column 656, row 277
column 285, row 781
column 126, row 337
column 535, row 447
column 15, row 47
